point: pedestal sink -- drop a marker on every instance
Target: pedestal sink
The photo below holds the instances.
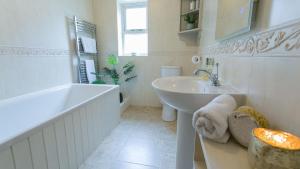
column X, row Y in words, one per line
column 188, row 94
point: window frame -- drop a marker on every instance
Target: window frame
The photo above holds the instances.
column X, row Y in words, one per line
column 124, row 31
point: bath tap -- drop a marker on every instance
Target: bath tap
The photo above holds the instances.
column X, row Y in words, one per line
column 214, row 78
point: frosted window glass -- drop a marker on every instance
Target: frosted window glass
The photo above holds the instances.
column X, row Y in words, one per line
column 136, row 44
column 136, row 18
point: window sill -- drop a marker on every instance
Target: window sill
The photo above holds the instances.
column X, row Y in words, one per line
column 133, row 55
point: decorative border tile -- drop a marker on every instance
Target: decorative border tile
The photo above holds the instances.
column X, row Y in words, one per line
column 280, row 41
column 172, row 53
column 22, row 51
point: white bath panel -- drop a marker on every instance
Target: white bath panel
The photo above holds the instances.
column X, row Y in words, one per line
column 51, row 147
column 90, row 127
column 6, row 160
column 60, row 132
column 96, row 130
column 104, row 118
column 71, row 142
column 114, row 113
column 107, row 116
column 98, row 125
column 71, row 138
column 78, row 136
column 84, row 127
column 22, row 155
column 38, row 151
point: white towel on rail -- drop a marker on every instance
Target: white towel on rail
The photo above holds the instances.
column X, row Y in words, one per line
column 89, row 45
column 90, row 68
column 211, row 121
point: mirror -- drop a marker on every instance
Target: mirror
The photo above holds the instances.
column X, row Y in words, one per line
column 234, row 17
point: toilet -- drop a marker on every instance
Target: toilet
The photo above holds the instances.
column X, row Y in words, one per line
column 169, row 113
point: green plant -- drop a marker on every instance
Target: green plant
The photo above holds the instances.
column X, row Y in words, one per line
column 112, row 60
column 113, row 74
column 127, row 70
column 98, row 81
column 190, row 18
column 126, row 73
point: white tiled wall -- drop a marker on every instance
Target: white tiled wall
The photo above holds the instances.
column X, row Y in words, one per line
column 272, row 82
column 166, row 47
column 37, row 26
column 24, row 74
column 148, row 69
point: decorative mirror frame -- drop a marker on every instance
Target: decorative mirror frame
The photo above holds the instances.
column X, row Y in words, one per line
column 251, row 22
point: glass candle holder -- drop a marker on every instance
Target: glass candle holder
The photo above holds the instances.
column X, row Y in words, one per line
column 273, row 149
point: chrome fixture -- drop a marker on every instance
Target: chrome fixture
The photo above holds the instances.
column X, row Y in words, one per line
column 214, row 78
column 88, row 29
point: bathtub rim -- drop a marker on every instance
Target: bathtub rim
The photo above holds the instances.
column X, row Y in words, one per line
column 7, row 143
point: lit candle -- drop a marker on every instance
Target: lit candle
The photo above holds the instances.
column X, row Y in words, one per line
column 272, row 149
column 278, row 139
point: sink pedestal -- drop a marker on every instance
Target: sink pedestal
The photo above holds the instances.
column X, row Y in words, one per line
column 185, row 141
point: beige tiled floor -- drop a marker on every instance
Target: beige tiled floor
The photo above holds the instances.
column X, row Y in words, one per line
column 141, row 141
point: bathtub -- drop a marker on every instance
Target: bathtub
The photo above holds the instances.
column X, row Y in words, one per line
column 57, row 128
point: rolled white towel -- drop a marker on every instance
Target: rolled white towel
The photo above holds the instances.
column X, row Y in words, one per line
column 211, row 121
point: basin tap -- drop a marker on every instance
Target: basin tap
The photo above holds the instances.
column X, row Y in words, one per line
column 214, row 78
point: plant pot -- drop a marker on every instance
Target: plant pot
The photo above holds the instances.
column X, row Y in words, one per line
column 121, row 97
column 190, row 26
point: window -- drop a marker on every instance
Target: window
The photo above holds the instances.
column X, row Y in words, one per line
column 133, row 29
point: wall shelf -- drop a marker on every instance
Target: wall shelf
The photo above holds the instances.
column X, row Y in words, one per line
column 220, row 156
column 196, row 30
column 186, row 10
column 190, row 12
